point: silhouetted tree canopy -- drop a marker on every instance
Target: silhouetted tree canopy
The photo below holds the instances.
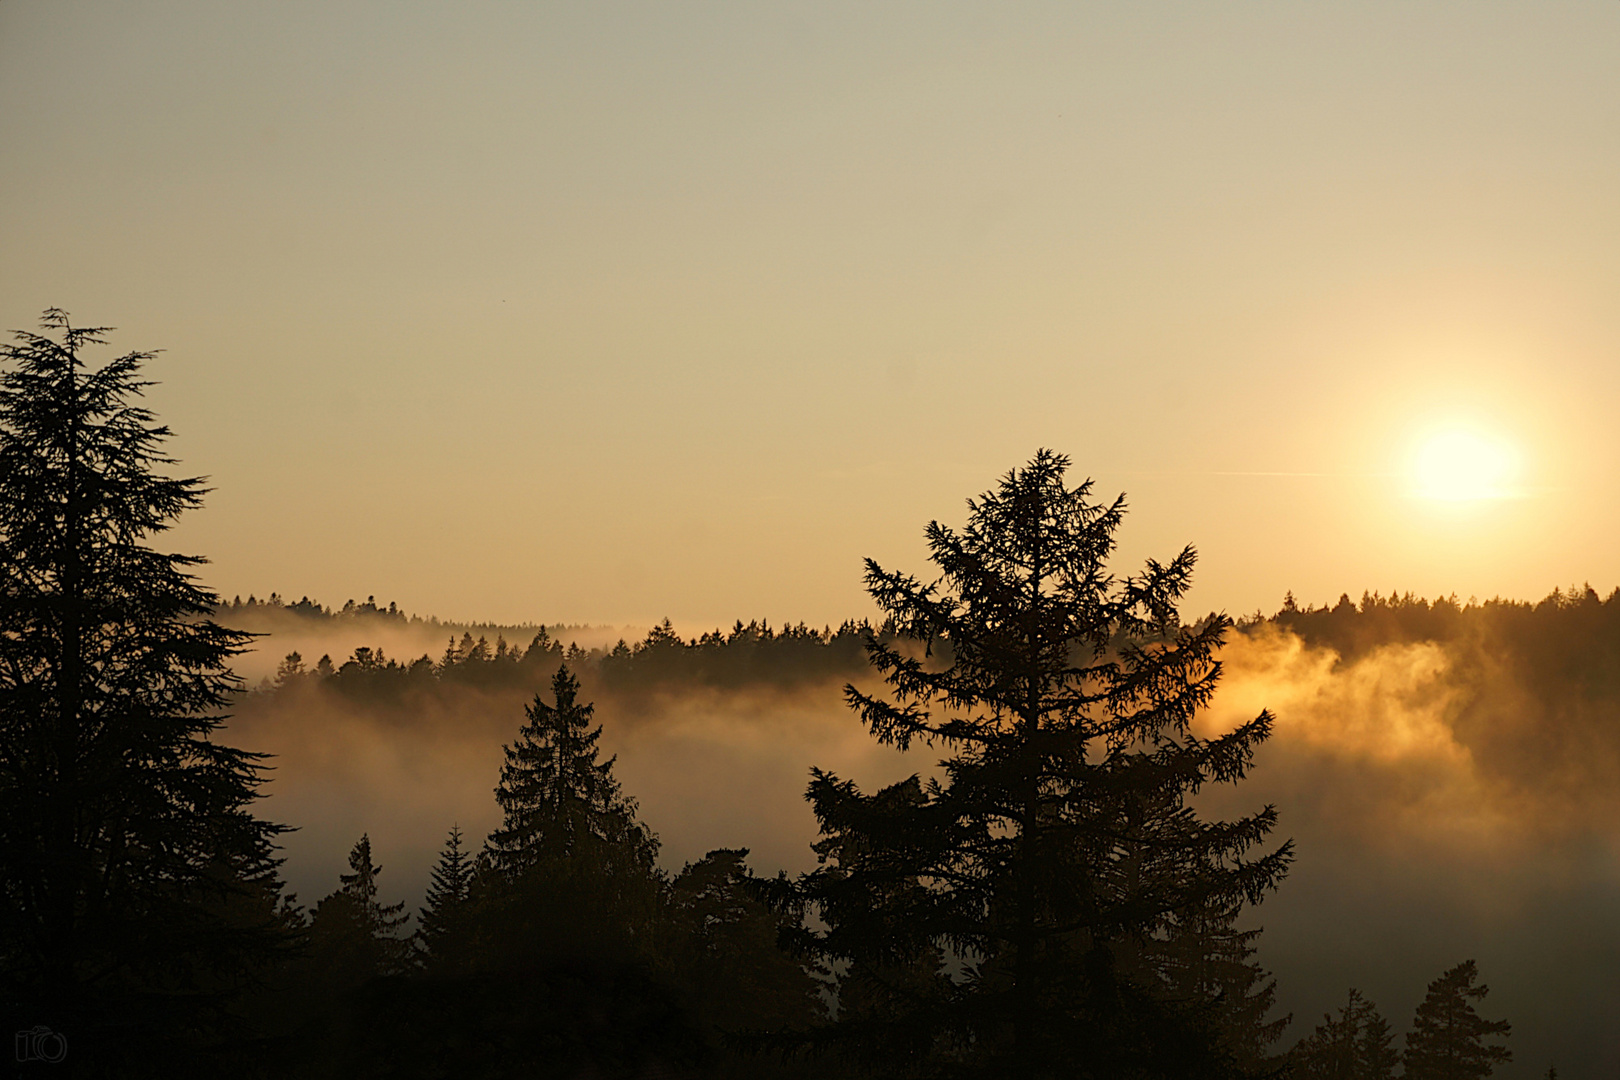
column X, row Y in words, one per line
column 1051, row 905
column 1354, row 1045
column 355, row 936
column 138, row 887
column 441, row 928
column 560, row 801
column 1060, row 839
column 1449, row 1040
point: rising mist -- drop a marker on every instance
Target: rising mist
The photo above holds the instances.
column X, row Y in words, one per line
column 1448, row 772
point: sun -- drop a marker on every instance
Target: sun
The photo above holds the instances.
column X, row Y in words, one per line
column 1458, row 465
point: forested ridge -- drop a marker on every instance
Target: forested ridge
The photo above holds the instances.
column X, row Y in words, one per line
column 1535, row 640
column 754, row 652
column 1565, row 646
column 1561, row 652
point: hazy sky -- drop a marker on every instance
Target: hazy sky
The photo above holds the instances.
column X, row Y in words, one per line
column 611, row 311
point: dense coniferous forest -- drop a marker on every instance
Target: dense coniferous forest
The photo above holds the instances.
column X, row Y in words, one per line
column 1050, row 901
column 1562, row 646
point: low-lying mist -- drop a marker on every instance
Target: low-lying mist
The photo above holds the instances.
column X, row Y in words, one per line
column 1450, row 775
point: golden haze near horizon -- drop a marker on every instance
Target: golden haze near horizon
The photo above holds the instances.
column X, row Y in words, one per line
column 604, row 314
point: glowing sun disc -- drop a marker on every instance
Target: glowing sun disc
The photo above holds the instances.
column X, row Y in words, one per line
column 1461, row 466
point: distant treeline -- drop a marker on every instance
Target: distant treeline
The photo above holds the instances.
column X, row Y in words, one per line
column 1570, row 634
column 1537, row 684
column 751, row 653
column 659, row 951
column 277, row 610
column 1563, row 647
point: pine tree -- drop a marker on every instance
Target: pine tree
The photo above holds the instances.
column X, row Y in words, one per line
column 1376, row 1055
column 1447, row 1040
column 1329, row 1052
column 361, row 888
column 1201, row 959
column 127, row 842
column 542, row 650
column 291, row 669
column 725, row 957
column 1059, row 837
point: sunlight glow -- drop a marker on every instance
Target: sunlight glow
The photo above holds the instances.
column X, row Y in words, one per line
column 1463, row 466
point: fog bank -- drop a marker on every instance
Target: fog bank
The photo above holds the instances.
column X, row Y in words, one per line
column 1426, row 833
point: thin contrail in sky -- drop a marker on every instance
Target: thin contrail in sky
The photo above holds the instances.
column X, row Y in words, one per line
column 1338, row 474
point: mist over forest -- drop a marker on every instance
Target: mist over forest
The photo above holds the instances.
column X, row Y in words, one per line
column 899, row 354
column 1449, row 772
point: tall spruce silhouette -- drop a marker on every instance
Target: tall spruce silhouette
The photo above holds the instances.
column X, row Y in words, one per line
column 559, row 800
column 571, row 873
column 1448, row 1038
column 1200, row 958
column 448, row 892
column 137, row 885
column 1059, row 838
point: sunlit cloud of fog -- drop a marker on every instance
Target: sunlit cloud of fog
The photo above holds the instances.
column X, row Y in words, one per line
column 1422, row 841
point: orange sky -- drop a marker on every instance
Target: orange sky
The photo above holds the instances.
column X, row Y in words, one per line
column 603, row 312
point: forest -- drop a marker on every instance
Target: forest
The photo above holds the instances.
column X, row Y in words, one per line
column 1560, row 648
column 1062, row 882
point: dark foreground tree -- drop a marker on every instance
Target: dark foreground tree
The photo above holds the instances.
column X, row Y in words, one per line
column 545, row 957
column 1354, row 1045
column 1448, row 1038
column 986, row 922
column 353, row 935
column 449, row 889
column 571, row 870
column 724, row 952
column 136, row 886
column 560, row 801
column 1200, row 958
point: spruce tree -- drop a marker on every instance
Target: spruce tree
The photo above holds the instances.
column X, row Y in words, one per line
column 1448, row 1038
column 353, row 934
column 449, row 889
column 1058, row 838
column 560, row 802
column 1329, row 1052
column 723, row 954
column 1376, row 1055
column 571, row 872
column 130, row 860
column 1201, row 959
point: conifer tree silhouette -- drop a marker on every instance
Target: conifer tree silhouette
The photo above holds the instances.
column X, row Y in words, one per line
column 560, row 802
column 1200, row 958
column 1376, row 1055
column 125, row 826
column 449, row 889
column 355, row 936
column 724, row 950
column 571, row 873
column 1059, row 836
column 1355, row 1045
column 1448, row 1038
